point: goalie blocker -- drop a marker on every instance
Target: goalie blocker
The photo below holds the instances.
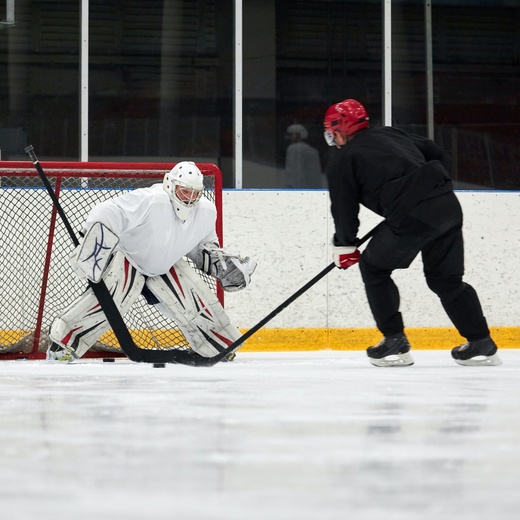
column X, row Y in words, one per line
column 180, row 295
column 92, row 255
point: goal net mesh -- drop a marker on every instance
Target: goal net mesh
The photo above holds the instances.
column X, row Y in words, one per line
column 36, row 280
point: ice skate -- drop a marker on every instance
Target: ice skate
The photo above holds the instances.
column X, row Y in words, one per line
column 482, row 352
column 391, row 351
column 56, row 352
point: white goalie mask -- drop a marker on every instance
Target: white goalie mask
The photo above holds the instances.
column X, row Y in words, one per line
column 184, row 184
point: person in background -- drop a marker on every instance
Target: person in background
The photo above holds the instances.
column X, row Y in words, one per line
column 404, row 178
column 302, row 161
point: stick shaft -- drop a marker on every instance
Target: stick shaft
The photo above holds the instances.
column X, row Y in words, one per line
column 32, row 155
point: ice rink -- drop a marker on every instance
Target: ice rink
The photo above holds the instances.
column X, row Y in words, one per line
column 273, row 436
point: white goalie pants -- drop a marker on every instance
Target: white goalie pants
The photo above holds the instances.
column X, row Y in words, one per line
column 182, row 295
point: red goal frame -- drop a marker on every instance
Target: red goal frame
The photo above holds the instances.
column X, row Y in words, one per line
column 100, row 172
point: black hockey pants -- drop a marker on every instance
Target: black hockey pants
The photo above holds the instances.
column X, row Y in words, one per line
column 433, row 228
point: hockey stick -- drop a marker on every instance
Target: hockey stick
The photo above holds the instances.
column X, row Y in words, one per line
column 126, row 342
column 200, row 361
column 100, row 290
column 210, row 361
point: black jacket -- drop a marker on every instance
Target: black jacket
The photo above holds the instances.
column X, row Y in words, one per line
column 386, row 170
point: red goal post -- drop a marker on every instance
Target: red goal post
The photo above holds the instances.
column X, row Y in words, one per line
column 37, row 281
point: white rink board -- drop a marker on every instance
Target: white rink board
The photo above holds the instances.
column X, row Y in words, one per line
column 289, row 232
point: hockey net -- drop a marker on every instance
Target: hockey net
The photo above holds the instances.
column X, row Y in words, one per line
column 37, row 282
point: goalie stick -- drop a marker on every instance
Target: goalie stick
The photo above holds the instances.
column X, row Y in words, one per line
column 114, row 318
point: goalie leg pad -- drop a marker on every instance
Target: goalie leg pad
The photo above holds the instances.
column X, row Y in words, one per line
column 185, row 297
column 83, row 322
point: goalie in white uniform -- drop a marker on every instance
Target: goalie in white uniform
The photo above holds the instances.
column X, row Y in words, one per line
column 136, row 244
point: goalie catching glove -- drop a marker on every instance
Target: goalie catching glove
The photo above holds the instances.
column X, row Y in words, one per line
column 233, row 272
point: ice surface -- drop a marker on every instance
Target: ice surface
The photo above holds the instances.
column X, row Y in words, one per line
column 318, row 435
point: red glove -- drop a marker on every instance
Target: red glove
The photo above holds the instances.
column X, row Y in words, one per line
column 345, row 256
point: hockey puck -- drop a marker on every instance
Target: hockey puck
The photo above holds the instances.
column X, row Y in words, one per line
column 159, row 365
column 108, row 360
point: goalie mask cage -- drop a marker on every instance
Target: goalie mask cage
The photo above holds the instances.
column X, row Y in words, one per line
column 37, row 282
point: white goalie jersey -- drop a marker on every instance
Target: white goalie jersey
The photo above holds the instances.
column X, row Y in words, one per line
column 150, row 234
column 143, row 226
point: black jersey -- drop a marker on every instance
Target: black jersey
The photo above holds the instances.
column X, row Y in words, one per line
column 386, row 170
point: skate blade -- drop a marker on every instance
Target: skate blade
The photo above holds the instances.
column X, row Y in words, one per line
column 397, row 360
column 61, row 356
column 481, row 361
column 62, row 359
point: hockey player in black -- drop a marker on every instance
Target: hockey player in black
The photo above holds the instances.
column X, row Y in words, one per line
column 404, row 178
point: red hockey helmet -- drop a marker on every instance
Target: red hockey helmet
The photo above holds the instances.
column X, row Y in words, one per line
column 348, row 116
